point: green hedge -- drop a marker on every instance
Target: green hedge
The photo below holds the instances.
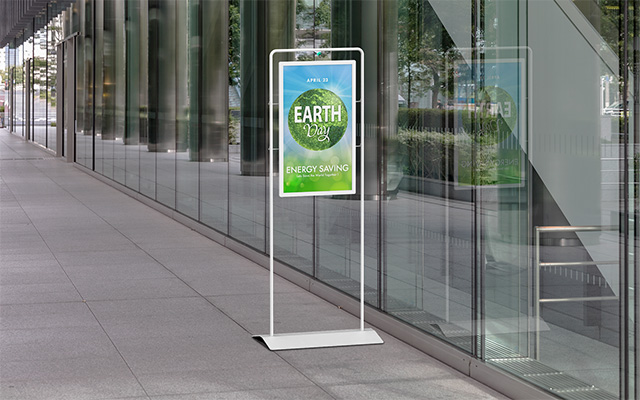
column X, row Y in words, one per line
column 425, row 153
column 425, row 118
column 432, row 119
column 429, row 154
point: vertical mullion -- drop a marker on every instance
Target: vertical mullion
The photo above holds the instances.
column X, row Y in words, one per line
column 634, row 191
column 476, row 288
column 46, row 84
column 93, row 84
column 199, row 113
column 624, row 219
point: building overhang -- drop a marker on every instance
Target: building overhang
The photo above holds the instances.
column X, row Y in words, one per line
column 18, row 16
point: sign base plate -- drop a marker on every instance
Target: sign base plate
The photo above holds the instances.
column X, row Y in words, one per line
column 312, row 340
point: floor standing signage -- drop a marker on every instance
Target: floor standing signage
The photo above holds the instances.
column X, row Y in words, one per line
column 317, row 156
column 317, row 128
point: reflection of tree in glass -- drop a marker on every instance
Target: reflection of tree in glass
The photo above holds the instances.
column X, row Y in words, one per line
column 313, row 26
column 423, row 44
column 234, row 42
column 606, row 17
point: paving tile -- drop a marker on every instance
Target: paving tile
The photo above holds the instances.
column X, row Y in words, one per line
column 204, row 256
column 17, row 249
column 117, row 288
column 34, row 316
column 61, row 369
column 136, row 216
column 57, row 223
column 89, row 243
column 51, row 273
column 119, row 272
column 153, row 355
column 37, row 260
column 293, row 312
column 38, row 293
column 162, row 318
column 98, row 387
column 309, row 393
column 168, row 240
column 44, row 212
column 104, row 231
column 209, row 284
column 223, row 380
column 17, row 232
column 375, row 370
column 411, row 389
column 104, row 257
column 55, row 343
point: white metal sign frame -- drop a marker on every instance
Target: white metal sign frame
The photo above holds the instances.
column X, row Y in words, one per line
column 305, row 340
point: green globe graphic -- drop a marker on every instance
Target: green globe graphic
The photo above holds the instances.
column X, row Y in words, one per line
column 318, row 119
column 496, row 116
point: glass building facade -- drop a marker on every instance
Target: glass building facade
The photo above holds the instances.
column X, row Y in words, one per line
column 501, row 156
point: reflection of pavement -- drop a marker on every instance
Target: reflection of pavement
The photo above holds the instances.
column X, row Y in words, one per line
column 40, row 107
column 43, row 133
column 45, row 136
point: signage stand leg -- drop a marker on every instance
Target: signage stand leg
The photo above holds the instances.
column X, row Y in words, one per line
column 307, row 340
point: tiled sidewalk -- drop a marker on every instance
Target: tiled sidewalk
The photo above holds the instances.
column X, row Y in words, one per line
column 102, row 297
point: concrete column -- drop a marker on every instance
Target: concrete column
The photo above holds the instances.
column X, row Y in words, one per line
column 264, row 26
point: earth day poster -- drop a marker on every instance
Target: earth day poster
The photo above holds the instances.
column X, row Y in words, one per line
column 317, row 128
column 492, row 119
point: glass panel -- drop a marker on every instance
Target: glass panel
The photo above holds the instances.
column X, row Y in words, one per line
column 247, row 175
column 9, row 86
column 119, row 60
column 571, row 191
column 293, row 217
column 105, row 88
column 136, row 39
column 213, row 150
column 55, row 35
column 5, row 85
column 103, row 147
column 428, row 220
column 337, row 219
column 147, row 66
column 39, row 83
column 29, row 67
column 187, row 83
column 162, row 96
column 80, row 86
column 20, row 92
column 113, row 91
column 84, row 79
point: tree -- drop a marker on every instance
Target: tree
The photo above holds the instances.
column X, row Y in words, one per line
column 423, row 48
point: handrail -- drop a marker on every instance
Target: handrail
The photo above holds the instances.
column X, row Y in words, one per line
column 537, row 265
